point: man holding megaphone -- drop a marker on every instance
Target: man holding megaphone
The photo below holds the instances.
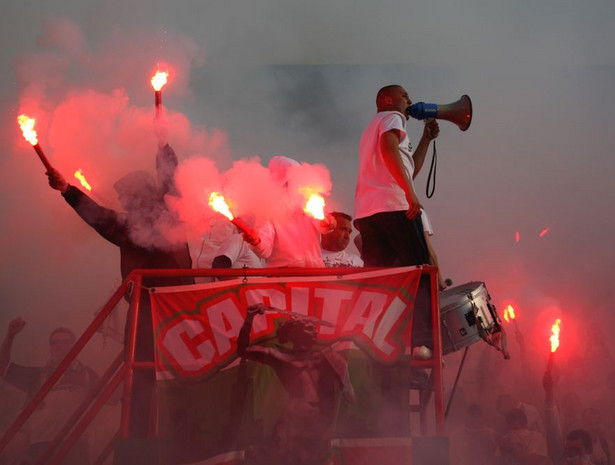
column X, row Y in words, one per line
column 387, row 208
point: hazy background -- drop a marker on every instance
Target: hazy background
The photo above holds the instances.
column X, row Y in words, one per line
column 263, row 78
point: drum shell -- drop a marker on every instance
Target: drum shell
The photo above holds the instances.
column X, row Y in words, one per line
column 465, row 314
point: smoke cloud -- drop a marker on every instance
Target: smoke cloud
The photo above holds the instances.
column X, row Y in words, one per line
column 261, row 80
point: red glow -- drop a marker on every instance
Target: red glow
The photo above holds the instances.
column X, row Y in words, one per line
column 544, row 232
column 554, row 339
column 517, row 236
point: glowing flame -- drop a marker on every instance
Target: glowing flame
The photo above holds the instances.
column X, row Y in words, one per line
column 544, row 232
column 27, row 128
column 315, row 203
column 554, row 339
column 159, row 80
column 509, row 313
column 79, row 175
column 315, row 206
column 217, row 202
column 517, row 236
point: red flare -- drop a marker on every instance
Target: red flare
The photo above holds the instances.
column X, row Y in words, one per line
column 27, row 129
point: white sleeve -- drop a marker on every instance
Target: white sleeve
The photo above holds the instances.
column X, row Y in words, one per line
column 267, row 236
column 394, row 120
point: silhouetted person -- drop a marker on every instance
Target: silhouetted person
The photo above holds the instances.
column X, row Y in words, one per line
column 140, row 232
column 519, row 445
column 302, row 433
column 59, row 404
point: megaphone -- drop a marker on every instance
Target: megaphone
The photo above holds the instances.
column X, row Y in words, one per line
column 459, row 112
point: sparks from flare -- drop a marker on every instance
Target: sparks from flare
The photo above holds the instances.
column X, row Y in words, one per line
column 79, row 175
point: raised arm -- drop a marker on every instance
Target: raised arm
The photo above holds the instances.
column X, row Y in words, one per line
column 166, row 164
column 258, row 353
column 108, row 223
column 14, row 328
column 243, row 340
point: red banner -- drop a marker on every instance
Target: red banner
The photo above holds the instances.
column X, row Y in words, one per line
column 217, row 406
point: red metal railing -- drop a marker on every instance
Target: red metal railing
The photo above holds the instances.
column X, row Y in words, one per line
column 124, row 371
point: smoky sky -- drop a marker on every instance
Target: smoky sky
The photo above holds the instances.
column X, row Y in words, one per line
column 253, row 80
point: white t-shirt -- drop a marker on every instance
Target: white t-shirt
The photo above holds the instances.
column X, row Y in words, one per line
column 239, row 252
column 293, row 241
column 377, row 191
column 341, row 259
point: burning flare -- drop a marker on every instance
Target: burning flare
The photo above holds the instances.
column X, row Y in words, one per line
column 27, row 128
column 315, row 203
column 509, row 313
column 79, row 175
column 517, row 236
column 217, row 202
column 544, row 232
column 554, row 339
column 159, row 80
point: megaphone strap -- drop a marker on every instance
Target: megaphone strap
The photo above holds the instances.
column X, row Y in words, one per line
column 432, row 169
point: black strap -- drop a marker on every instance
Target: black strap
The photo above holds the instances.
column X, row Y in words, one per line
column 432, row 169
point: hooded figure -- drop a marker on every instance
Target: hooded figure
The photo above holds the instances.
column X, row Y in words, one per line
column 141, row 233
column 294, row 240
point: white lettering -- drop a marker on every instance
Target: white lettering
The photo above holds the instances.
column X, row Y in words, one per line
column 390, row 317
column 331, row 306
column 365, row 312
column 225, row 321
column 186, row 344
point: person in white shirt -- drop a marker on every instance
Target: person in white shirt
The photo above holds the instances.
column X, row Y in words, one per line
column 386, row 205
column 292, row 240
column 234, row 252
column 334, row 244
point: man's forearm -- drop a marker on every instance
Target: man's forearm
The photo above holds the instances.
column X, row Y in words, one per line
column 5, row 354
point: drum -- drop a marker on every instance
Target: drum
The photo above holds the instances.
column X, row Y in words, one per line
column 467, row 316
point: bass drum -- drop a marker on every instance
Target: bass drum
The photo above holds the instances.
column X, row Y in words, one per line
column 467, row 316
